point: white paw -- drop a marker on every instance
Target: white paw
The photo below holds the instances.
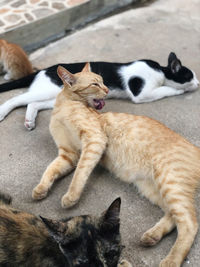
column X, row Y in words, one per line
column 2, row 114
column 30, row 125
column 7, row 77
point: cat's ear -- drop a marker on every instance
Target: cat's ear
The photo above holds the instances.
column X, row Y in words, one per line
column 66, row 76
column 55, row 228
column 174, row 63
column 87, row 67
column 110, row 218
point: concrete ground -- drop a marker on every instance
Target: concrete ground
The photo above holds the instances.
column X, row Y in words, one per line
column 146, row 32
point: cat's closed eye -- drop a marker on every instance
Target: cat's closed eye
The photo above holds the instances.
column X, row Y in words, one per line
column 95, row 84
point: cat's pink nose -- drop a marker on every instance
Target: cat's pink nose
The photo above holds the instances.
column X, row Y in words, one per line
column 106, row 90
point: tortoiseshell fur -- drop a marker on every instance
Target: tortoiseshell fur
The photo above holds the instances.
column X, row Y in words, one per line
column 163, row 165
column 81, row 241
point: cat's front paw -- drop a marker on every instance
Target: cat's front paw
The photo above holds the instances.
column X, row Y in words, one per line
column 124, row 263
column 168, row 263
column 149, row 239
column 68, row 201
column 30, row 125
column 39, row 192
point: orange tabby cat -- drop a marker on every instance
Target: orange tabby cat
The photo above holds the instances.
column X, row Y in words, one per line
column 14, row 61
column 162, row 164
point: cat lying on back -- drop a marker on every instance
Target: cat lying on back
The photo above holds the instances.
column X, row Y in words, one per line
column 14, row 61
column 163, row 165
column 81, row 241
column 140, row 81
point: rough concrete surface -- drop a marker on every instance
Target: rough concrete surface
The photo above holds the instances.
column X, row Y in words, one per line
column 146, row 32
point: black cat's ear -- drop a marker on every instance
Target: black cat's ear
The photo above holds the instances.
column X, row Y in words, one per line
column 87, row 67
column 66, row 76
column 55, row 228
column 174, row 63
column 110, row 218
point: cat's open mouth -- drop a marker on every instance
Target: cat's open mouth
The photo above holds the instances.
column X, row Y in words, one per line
column 98, row 103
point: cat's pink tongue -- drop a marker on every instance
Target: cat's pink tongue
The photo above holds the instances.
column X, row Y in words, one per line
column 99, row 103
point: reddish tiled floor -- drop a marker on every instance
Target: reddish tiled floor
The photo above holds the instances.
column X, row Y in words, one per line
column 18, row 12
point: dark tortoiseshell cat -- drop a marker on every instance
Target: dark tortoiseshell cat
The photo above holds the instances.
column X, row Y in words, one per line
column 84, row 241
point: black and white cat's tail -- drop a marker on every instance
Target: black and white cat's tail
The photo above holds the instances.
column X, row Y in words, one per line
column 5, row 199
column 20, row 83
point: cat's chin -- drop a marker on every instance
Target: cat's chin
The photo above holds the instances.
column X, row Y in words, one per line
column 98, row 103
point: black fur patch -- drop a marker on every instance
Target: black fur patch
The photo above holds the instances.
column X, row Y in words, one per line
column 20, row 83
column 51, row 72
column 136, row 84
column 182, row 76
column 109, row 72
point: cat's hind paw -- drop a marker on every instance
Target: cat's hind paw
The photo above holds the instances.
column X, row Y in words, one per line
column 39, row 192
column 30, row 125
column 124, row 263
column 68, row 202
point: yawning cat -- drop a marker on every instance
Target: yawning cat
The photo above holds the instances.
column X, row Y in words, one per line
column 163, row 165
column 140, row 81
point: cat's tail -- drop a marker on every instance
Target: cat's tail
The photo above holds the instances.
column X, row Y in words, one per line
column 5, row 199
column 20, row 83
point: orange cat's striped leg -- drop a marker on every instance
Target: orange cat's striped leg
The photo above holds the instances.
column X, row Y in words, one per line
column 90, row 156
column 63, row 164
column 155, row 234
column 177, row 191
column 187, row 226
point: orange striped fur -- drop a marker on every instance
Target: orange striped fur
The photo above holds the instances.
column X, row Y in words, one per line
column 163, row 165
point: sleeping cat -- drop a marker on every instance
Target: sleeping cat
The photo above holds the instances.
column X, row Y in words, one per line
column 80, row 241
column 163, row 165
column 140, row 81
column 14, row 61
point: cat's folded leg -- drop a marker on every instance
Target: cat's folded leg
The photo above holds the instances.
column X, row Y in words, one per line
column 90, row 156
column 63, row 164
column 159, row 93
column 155, row 234
column 124, row 263
column 32, row 111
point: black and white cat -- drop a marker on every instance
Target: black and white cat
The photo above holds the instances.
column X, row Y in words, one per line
column 140, row 81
